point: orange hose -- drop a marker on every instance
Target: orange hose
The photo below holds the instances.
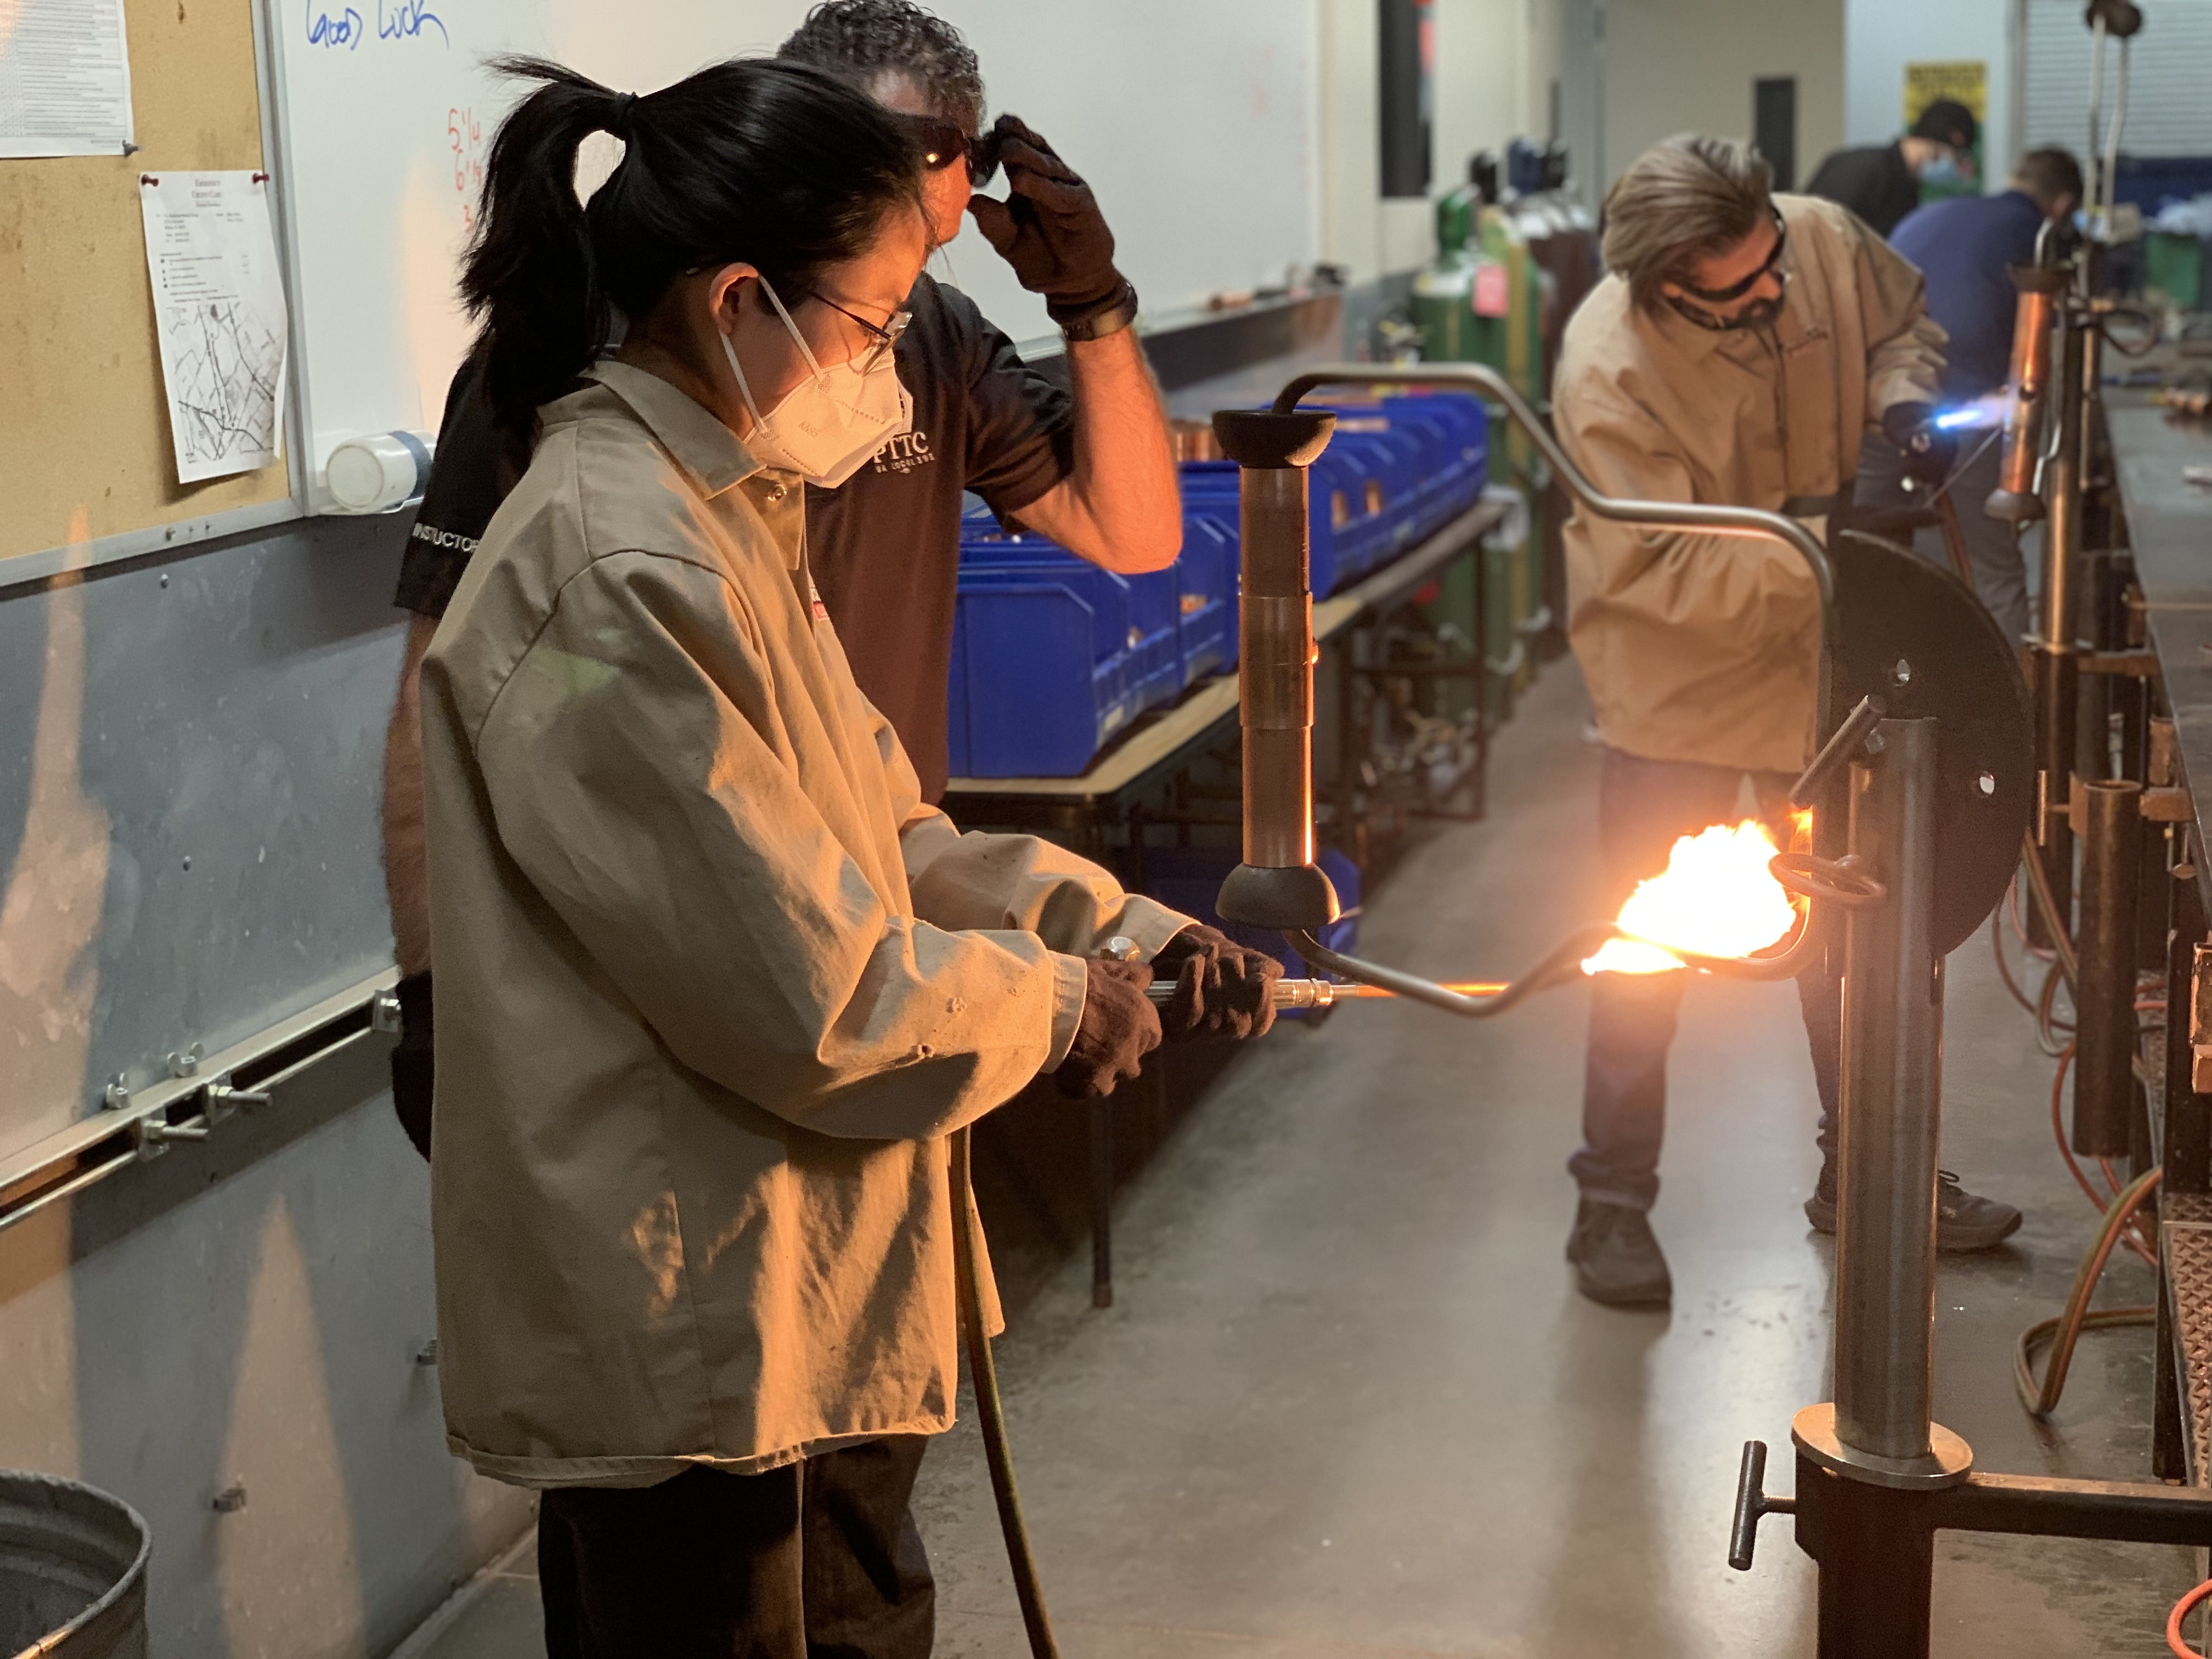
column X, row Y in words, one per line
column 2181, row 1611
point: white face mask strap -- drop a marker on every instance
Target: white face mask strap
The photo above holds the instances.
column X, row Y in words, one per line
column 744, row 391
column 796, row 338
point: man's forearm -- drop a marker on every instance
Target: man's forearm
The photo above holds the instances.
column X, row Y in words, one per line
column 1120, row 507
column 406, row 882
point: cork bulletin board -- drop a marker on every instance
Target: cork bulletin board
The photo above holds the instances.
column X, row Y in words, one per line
column 83, row 420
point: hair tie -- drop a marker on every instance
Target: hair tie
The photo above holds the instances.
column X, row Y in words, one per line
column 620, row 122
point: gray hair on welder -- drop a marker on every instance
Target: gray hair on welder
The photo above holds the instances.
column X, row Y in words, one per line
column 862, row 40
column 1685, row 198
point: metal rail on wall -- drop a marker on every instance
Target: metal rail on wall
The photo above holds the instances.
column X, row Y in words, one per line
column 201, row 1093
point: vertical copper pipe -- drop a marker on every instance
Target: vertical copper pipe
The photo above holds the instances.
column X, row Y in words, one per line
column 2105, row 999
column 2015, row 498
column 1275, row 668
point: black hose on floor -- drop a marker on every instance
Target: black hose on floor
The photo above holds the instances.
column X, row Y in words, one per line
column 990, row 1415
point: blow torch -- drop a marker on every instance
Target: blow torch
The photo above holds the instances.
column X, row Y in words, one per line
column 1277, row 886
column 2015, row 500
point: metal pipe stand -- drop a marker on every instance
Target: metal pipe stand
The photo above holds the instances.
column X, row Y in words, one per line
column 1877, row 1478
column 1863, row 1458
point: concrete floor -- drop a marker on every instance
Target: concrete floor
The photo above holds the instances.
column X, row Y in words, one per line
column 1349, row 1404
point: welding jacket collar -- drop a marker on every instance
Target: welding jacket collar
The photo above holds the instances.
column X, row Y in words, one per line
column 715, row 458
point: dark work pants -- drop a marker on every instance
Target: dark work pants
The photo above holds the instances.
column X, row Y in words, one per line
column 818, row 1559
column 1644, row 807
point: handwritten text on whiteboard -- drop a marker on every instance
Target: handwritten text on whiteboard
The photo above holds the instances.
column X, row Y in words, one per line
column 345, row 28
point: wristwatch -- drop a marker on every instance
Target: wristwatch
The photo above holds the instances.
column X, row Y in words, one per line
column 1115, row 317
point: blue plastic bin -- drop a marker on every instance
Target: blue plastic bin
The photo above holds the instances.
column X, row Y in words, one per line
column 1036, row 685
column 1146, row 610
column 1206, row 580
column 1052, row 656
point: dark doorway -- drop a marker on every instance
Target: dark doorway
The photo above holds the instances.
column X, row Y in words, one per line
column 1774, row 126
column 1408, row 55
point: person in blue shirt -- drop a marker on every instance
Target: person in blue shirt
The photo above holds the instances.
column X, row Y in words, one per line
column 1964, row 246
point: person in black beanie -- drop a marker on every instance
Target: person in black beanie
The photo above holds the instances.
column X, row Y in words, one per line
column 1882, row 183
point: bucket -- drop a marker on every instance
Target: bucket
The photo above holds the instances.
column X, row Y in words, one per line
column 72, row 1570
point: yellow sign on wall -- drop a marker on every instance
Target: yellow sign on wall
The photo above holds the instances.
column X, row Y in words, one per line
column 1967, row 84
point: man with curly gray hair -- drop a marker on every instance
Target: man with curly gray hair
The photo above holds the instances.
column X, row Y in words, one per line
column 888, row 47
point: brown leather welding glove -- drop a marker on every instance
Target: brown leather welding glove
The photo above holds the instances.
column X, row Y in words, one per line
column 1120, row 1026
column 1222, row 989
column 1049, row 228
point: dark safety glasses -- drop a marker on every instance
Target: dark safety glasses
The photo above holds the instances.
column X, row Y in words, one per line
column 1716, row 296
column 881, row 337
column 942, row 142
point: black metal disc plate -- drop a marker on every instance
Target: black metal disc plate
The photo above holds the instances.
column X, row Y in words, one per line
column 1910, row 632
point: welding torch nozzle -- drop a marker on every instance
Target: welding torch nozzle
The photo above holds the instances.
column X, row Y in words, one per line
column 1297, row 994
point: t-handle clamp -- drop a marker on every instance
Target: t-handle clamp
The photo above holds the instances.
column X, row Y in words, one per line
column 1751, row 1502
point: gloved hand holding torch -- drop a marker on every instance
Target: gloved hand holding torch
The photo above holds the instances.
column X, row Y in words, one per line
column 1927, row 449
column 1119, row 1027
column 1221, row 988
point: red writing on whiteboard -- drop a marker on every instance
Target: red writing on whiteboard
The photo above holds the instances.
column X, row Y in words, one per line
column 464, row 138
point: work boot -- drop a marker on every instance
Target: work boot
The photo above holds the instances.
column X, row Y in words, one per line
column 1963, row 1221
column 1617, row 1261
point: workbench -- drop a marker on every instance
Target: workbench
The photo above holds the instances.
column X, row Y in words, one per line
column 2169, row 530
column 1103, row 812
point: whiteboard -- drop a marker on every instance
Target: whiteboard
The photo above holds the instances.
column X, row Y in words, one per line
column 1199, row 126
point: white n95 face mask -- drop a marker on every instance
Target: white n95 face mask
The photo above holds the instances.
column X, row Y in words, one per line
column 831, row 423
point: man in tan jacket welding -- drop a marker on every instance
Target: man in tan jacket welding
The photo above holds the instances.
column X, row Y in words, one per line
column 1739, row 349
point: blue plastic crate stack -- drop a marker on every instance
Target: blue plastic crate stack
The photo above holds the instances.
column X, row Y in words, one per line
column 1052, row 657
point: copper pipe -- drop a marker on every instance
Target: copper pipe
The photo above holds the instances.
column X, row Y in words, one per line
column 2015, row 500
column 1275, row 668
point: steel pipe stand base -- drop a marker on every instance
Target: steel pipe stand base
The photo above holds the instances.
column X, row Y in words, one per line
column 1947, row 1462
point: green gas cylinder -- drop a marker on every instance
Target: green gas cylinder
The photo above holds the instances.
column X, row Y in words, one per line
column 1456, row 211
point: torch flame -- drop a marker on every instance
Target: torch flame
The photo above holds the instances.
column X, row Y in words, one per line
column 1716, row 899
column 1979, row 416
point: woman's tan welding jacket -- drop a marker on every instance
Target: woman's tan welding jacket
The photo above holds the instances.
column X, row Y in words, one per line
column 712, row 984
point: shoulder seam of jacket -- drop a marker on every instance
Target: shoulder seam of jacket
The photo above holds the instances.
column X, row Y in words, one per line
column 591, row 562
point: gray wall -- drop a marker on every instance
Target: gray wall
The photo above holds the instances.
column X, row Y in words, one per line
column 189, row 766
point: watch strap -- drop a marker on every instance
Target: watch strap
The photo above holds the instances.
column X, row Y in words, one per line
column 1116, row 314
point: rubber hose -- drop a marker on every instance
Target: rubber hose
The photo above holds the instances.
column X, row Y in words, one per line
column 2041, row 1400
column 2175, row 1642
column 968, row 1257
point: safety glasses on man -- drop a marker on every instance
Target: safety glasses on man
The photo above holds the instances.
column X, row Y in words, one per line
column 943, row 141
column 1771, row 266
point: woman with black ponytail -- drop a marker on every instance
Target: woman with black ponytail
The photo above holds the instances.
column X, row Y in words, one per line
column 712, row 984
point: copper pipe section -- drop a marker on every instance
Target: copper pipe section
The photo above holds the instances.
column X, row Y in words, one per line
column 2105, row 999
column 2014, row 499
column 1275, row 669
column 1303, row 993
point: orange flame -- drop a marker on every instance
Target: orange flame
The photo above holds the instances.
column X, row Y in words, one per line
column 1716, row 899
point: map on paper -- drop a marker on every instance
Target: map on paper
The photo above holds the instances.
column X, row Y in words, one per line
column 65, row 78
column 219, row 311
